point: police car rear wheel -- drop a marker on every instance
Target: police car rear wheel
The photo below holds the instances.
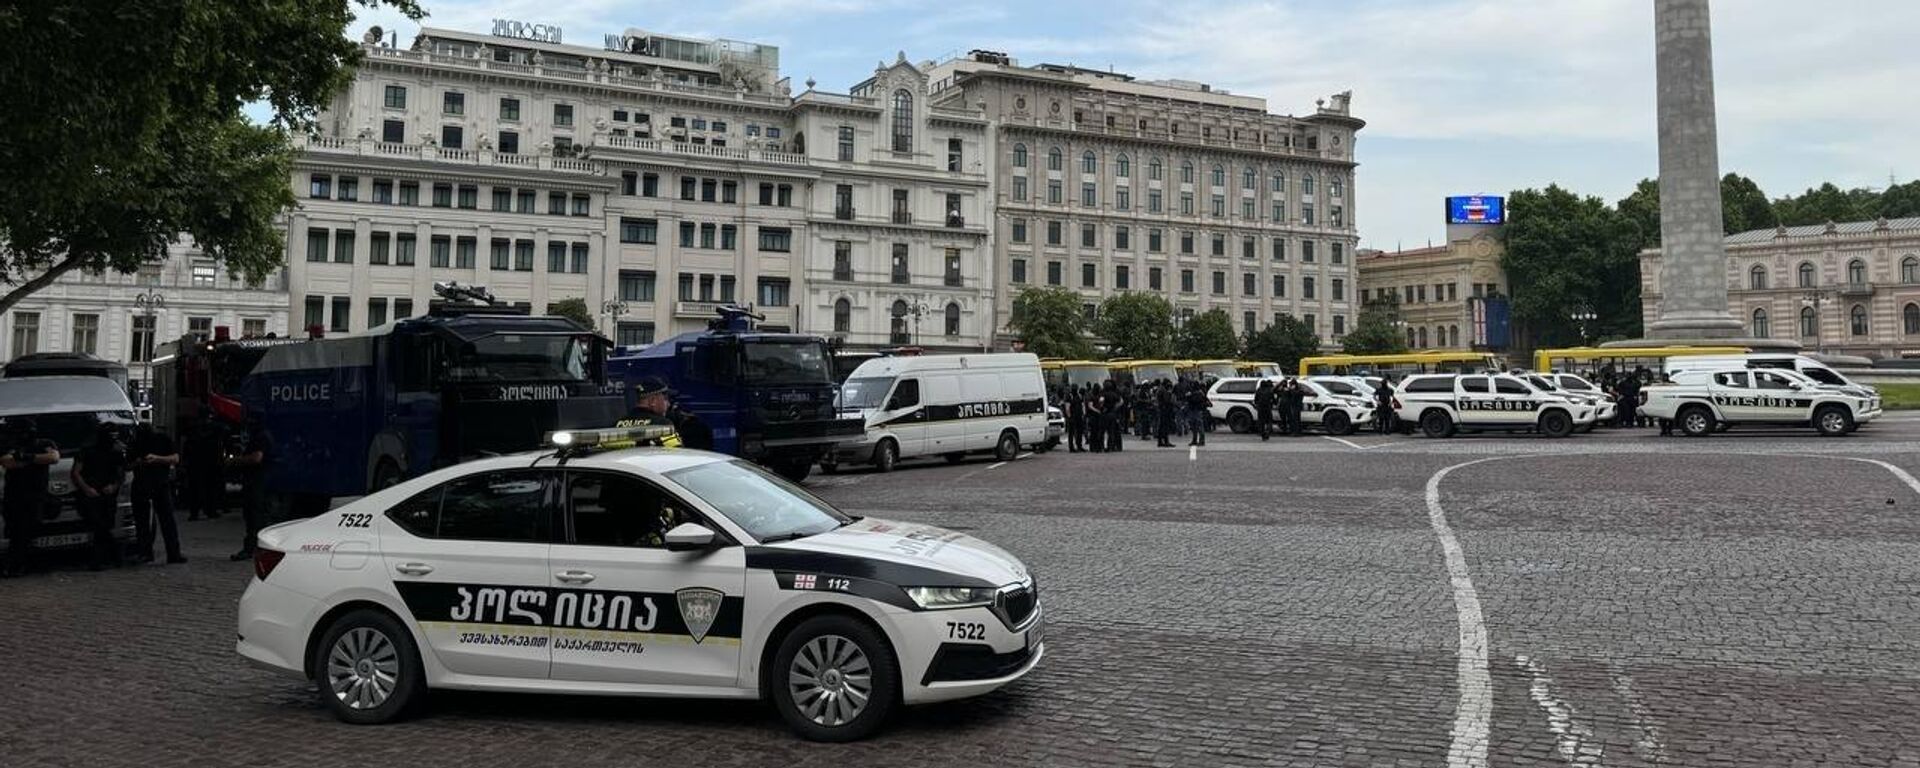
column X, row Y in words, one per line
column 1337, row 423
column 1008, row 447
column 1239, row 421
column 367, row 669
column 885, row 455
column 838, row 679
column 1436, row 423
column 1832, row 421
column 1696, row 422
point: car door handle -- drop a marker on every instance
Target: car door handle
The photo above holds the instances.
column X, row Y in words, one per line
column 414, row 569
column 573, row 577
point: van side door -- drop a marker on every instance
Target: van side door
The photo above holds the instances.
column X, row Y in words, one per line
column 906, row 417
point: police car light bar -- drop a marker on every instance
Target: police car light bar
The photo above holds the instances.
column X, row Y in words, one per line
column 580, row 440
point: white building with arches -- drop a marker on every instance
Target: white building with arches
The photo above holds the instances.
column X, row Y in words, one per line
column 1839, row 288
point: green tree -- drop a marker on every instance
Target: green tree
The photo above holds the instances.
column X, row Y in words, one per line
column 574, row 309
column 1284, row 342
column 1050, row 323
column 1375, row 331
column 1208, row 336
column 1744, row 205
column 1900, row 201
column 1137, row 325
column 121, row 128
column 1565, row 253
column 1827, row 203
column 1642, row 209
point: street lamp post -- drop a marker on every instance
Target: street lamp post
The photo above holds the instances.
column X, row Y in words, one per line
column 149, row 302
column 1814, row 298
column 918, row 309
column 1581, row 318
column 614, row 309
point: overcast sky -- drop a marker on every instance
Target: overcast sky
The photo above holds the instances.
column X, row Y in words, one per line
column 1460, row 96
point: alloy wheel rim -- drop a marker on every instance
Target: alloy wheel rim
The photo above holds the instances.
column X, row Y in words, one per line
column 830, row 680
column 1833, row 422
column 363, row 668
column 1696, row 422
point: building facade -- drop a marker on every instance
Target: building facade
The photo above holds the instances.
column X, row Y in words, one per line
column 1104, row 184
column 655, row 178
column 122, row 317
column 1851, row 288
column 1432, row 285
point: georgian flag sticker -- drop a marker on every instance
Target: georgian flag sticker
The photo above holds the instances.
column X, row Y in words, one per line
column 699, row 606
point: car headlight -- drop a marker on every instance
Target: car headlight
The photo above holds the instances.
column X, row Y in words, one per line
column 938, row 598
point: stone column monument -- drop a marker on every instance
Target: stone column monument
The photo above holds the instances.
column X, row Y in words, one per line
column 1693, row 264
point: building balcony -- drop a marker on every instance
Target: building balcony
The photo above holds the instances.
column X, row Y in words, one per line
column 602, row 145
column 615, row 75
column 698, row 310
column 956, row 221
column 367, row 147
column 1856, row 289
column 902, row 217
column 843, row 214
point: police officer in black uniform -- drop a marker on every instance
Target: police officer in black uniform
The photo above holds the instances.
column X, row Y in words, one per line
column 206, row 469
column 1197, row 414
column 653, row 406
column 26, row 457
column 1076, row 421
column 1165, row 412
column 153, row 457
column 1295, row 398
column 1263, row 398
column 251, row 465
column 98, row 472
column 1383, row 414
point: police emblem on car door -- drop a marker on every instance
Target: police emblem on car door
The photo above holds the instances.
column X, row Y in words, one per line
column 698, row 608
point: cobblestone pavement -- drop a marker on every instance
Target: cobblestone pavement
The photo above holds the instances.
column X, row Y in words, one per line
column 1747, row 599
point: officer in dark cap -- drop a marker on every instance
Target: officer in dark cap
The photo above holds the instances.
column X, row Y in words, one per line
column 27, row 458
column 653, row 406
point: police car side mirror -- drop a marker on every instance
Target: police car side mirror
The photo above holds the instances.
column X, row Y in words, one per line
column 687, row 537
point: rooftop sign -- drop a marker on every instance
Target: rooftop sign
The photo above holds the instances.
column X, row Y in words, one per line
column 520, row 30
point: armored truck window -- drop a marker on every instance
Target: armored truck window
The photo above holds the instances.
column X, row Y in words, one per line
column 1474, row 384
column 1507, row 386
column 497, row 506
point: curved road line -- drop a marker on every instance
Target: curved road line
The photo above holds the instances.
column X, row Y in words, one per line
column 1472, row 720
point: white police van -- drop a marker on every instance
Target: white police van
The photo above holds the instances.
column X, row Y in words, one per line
column 1443, row 403
column 595, row 569
column 943, row 405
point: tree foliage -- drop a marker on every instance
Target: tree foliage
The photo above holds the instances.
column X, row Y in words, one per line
column 1137, row 325
column 121, row 128
column 1565, row 254
column 574, row 309
column 1743, row 207
column 1375, row 331
column 1284, row 342
column 1049, row 323
column 1208, row 336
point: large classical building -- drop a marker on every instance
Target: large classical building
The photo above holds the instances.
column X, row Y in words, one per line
column 655, row 177
column 123, row 317
column 1104, row 183
column 1851, row 288
column 1433, row 285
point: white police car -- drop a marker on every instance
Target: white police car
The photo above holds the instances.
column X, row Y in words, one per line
column 1444, row 403
column 644, row 571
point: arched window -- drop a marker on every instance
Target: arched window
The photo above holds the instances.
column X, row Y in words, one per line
column 1807, row 279
column 1279, row 183
column 953, row 319
column 1857, row 320
column 1089, row 163
column 1019, row 155
column 1453, row 336
column 1219, row 176
column 1757, row 278
column 1186, row 172
column 1247, row 179
column 1053, row 159
column 1423, row 338
column 842, row 316
column 1809, row 323
column 1413, row 339
column 1761, row 328
column 902, row 121
column 1153, row 169
column 898, row 332
column 1121, row 167
column 1306, row 184
column 1856, row 272
column 1910, row 319
column 1910, row 270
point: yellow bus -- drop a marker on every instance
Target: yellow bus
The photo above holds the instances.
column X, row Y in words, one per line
column 1436, row 361
column 1074, row 373
column 1257, row 368
column 1219, row 369
column 1142, row 371
column 1577, row 359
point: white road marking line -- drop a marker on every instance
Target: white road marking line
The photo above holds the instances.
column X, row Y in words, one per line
column 1028, row 455
column 1352, row 444
column 1648, row 743
column 1897, row 472
column 1193, row 453
column 1572, row 738
column 1472, row 719
column 996, row 466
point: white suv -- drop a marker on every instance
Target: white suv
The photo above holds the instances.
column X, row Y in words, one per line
column 1338, row 414
column 1442, row 403
column 1572, row 386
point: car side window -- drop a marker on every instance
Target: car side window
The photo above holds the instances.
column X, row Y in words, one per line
column 1474, row 384
column 1338, row 387
column 1507, row 386
column 1237, row 388
column 1731, row 379
column 906, row 394
column 1432, row 384
column 513, row 505
column 610, row 510
column 1765, row 380
column 419, row 515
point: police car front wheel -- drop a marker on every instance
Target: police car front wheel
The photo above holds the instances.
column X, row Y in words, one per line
column 837, row 679
column 1833, row 421
column 367, row 668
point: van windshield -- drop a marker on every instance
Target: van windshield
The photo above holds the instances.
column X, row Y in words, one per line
column 71, row 431
column 865, row 393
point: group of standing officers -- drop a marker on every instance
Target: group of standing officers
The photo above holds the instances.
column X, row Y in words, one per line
column 1099, row 416
column 101, row 469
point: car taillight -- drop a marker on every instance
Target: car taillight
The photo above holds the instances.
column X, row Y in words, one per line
column 264, row 561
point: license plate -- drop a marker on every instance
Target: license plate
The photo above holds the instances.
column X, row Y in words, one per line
column 1035, row 635
column 63, row 540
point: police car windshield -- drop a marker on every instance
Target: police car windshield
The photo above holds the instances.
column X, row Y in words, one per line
column 1543, row 383
column 1574, row 382
column 767, row 507
column 520, row 357
column 787, row 363
column 72, row 431
column 866, row 392
column 1824, row 376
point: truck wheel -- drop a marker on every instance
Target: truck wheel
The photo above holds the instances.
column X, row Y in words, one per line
column 1239, row 421
column 1009, row 446
column 1436, row 423
column 834, row 679
column 386, row 474
column 1556, row 424
column 886, row 454
column 1337, row 423
column 1695, row 421
column 794, row 470
column 1832, row 421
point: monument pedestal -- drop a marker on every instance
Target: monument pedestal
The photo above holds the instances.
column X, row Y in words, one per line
column 1757, row 345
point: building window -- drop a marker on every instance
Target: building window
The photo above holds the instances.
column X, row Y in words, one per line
column 842, row 260
column 1306, row 252
column 342, row 314
column 843, row 202
column 897, row 332
column 633, row 334
column 774, row 292
column 1910, row 270
column 498, row 255
column 396, row 97
column 443, row 195
column 1089, row 163
column 953, row 319
column 1249, row 285
column 1910, row 319
column 1054, row 162
column 902, row 121
column 1186, row 242
column 1053, row 191
column 580, row 258
column 203, row 275
column 1219, row 283
column 777, row 240
column 402, row 309
column 953, row 267
column 1122, row 239
column 1337, row 253
column 1155, row 240
column 1122, row 199
column 376, row 312
column 1856, row 272
column 639, row 231
column 1019, row 272
column 1089, row 236
column 452, row 103
column 1153, row 169
column 846, row 144
column 1054, row 276
column 1186, row 281
column 900, row 264
column 1019, row 188
column 1279, row 286
column 1121, row 279
column 349, row 189
column 252, row 328
column 393, row 131
column 1186, row 172
column 1757, row 277
column 562, row 116
column 1338, row 288
column 1809, row 323
column 1219, row 244
column 1019, row 155
column 1807, row 278
column 1054, row 236
column 902, row 213
column 1155, row 201
column 463, row 252
column 403, row 245
column 86, row 333
column 1248, row 248
column 1761, row 328
column 556, row 258
column 1306, row 287
column 523, row 255
column 1122, row 167
column 842, row 316
column 1857, row 320
column 1089, row 276
column 320, row 186
column 451, row 136
column 510, row 110
column 636, row 285
column 1186, row 203
column 953, row 155
column 1089, row 195
column 1155, row 279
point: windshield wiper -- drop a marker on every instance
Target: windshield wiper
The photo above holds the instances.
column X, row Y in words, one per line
column 789, row 536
